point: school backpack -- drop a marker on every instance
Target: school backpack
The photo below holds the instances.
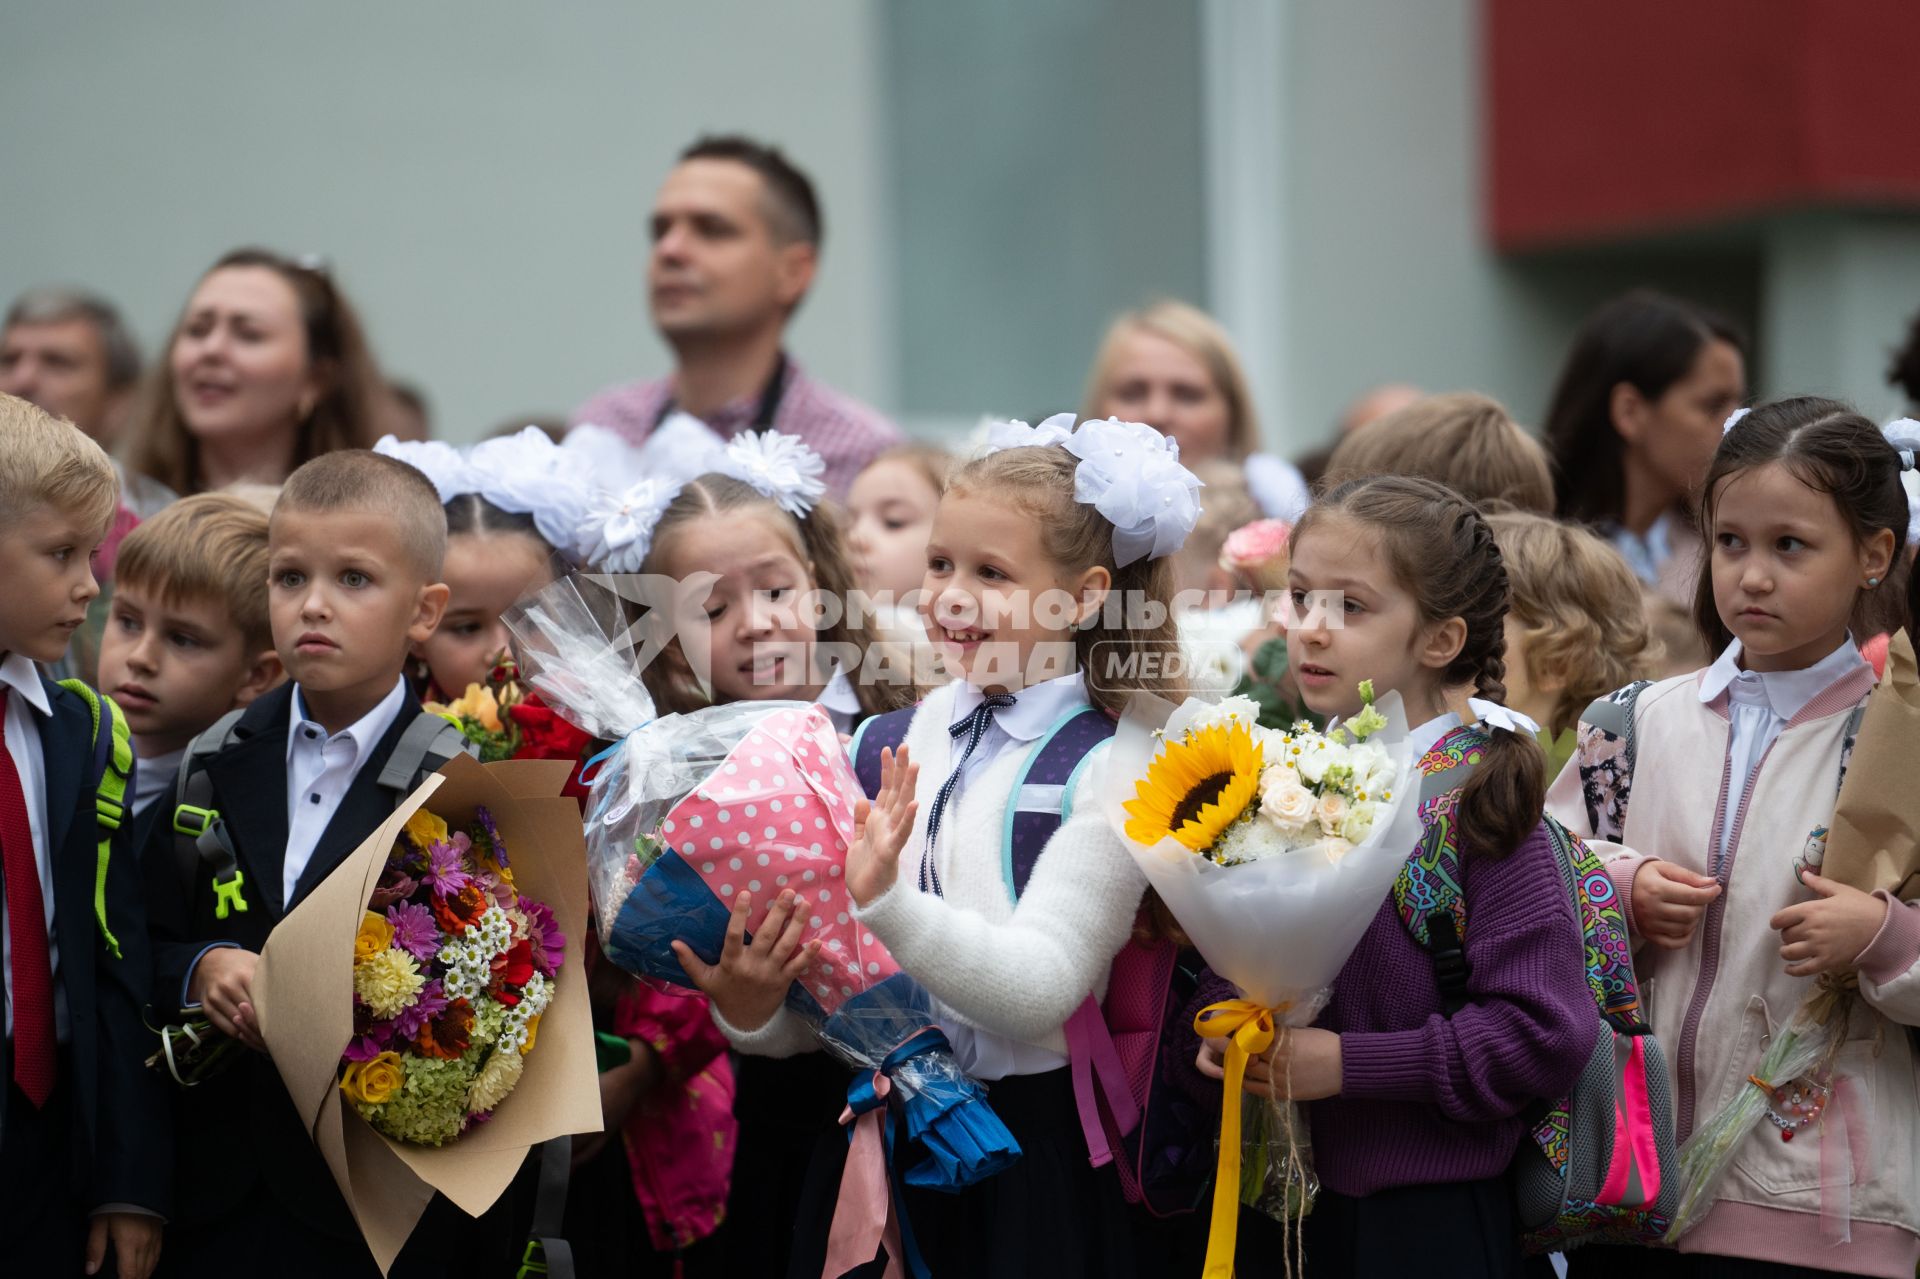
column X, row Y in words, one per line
column 112, row 771
column 200, row 834
column 1601, row 1165
column 1122, row 1054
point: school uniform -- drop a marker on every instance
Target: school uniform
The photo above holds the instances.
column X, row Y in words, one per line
column 251, row 1184
column 80, row 1118
column 152, row 794
column 1004, row 977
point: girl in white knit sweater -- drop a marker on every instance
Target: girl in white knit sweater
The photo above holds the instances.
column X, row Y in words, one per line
column 1047, row 584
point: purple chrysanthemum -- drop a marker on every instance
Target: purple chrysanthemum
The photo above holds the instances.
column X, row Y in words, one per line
column 482, row 816
column 430, row 1003
column 414, row 930
column 543, row 931
column 446, row 870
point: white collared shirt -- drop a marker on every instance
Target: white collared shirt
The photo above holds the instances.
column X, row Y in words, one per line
column 319, row 771
column 841, row 701
column 1035, row 710
column 1645, row 553
column 25, row 699
column 155, row 777
column 1759, row 705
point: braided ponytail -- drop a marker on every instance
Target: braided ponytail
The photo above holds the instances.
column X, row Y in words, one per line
column 1443, row 553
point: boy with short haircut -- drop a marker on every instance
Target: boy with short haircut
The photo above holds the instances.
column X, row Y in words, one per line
column 187, row 636
column 83, row 1150
column 1468, row 442
column 294, row 784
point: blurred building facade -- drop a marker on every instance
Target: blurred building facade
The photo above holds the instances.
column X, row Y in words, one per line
column 1364, row 190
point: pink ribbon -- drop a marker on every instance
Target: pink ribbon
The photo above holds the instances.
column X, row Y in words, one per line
column 1841, row 1160
column 863, row 1215
column 1092, row 1054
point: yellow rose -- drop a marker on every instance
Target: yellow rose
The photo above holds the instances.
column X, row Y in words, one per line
column 372, row 1082
column 375, row 935
column 426, row 830
column 533, row 1033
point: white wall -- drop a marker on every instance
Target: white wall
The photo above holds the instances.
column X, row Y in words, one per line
column 478, row 172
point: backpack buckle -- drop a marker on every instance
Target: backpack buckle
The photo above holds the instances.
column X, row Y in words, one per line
column 227, row 895
column 190, row 813
column 533, row 1261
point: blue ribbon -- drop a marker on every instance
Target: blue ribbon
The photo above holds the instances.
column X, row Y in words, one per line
column 863, row 1096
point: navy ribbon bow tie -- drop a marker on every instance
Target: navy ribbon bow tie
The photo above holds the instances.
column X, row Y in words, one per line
column 973, row 727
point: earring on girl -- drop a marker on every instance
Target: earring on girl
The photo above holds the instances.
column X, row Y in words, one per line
column 1872, row 582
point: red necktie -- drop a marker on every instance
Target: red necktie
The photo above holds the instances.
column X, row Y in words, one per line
column 33, row 1040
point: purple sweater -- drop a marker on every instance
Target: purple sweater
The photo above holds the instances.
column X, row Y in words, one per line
column 1427, row 1099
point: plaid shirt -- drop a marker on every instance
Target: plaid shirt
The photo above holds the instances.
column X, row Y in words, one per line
column 844, row 432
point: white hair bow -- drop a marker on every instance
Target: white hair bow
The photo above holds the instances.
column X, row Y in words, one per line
column 1904, row 434
column 1503, row 719
column 618, row 528
column 1015, row 434
column 526, row 473
column 1733, row 419
column 779, row 466
column 1132, row 475
column 444, row 465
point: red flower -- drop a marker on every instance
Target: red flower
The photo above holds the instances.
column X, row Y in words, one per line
column 515, row 968
column 543, row 734
column 447, row 1035
column 457, row 910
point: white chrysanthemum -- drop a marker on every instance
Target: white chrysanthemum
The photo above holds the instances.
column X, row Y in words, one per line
column 388, row 983
column 495, row 1080
column 778, row 466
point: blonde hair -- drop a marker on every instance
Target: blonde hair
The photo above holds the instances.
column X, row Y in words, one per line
column 816, row 541
column 48, row 461
column 1579, row 607
column 210, row 547
column 933, row 463
column 1225, row 505
column 1467, row 442
column 360, row 480
column 1199, row 335
column 1076, row 537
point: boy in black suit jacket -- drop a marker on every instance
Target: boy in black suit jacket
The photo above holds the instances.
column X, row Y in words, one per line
column 187, row 637
column 354, row 553
column 83, row 1146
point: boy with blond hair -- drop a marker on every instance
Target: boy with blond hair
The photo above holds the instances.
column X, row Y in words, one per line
column 270, row 800
column 187, row 637
column 83, row 1150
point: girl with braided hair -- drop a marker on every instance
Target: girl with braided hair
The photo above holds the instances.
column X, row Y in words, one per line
column 1417, row 1106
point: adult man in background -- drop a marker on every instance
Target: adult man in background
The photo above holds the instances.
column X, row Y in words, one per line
column 736, row 235
column 70, row 353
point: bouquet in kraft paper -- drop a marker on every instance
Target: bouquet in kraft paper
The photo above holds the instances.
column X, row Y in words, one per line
column 426, row 1005
column 1274, row 850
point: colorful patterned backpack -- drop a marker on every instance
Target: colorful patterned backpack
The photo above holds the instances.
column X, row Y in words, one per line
column 1122, row 1053
column 1601, row 1166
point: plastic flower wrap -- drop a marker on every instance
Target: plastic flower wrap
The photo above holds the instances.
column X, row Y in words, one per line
column 452, row 968
column 1274, row 850
column 684, row 812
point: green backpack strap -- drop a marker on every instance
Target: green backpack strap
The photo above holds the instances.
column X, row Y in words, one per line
column 110, row 791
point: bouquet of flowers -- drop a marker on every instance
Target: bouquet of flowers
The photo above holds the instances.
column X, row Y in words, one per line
column 452, row 968
column 1273, row 849
column 686, row 811
column 483, row 713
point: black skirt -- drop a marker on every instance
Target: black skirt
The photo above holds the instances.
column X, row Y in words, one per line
column 1464, row 1228
column 788, row 1107
column 1049, row 1216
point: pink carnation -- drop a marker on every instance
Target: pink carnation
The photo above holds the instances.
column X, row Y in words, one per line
column 1252, row 545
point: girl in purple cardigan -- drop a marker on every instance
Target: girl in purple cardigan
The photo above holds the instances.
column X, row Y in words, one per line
column 1417, row 1114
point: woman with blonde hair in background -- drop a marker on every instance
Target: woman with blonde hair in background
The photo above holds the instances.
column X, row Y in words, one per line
column 267, row 368
column 1173, row 367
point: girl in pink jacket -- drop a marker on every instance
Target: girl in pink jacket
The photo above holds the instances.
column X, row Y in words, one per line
column 1738, row 767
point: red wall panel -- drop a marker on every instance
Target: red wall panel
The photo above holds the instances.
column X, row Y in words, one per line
column 1610, row 121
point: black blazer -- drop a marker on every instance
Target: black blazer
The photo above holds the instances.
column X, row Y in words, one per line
column 241, row 1126
column 122, row 1142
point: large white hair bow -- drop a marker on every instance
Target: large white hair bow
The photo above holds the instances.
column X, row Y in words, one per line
column 617, row 530
column 1503, row 719
column 1131, row 474
column 444, row 465
column 526, row 473
column 779, row 466
column 1015, row 434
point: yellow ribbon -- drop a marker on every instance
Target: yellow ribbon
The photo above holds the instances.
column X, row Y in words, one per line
column 1248, row 1029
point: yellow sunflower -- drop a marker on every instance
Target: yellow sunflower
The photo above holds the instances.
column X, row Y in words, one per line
column 1196, row 787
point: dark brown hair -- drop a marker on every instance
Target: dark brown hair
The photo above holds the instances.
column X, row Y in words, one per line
column 794, row 210
column 1903, row 370
column 1442, row 552
column 816, row 540
column 1831, row 449
column 1645, row 339
column 1468, row 442
column 347, row 415
column 1076, row 537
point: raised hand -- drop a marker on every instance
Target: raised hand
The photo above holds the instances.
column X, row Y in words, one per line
column 1669, row 901
column 750, row 982
column 882, row 828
